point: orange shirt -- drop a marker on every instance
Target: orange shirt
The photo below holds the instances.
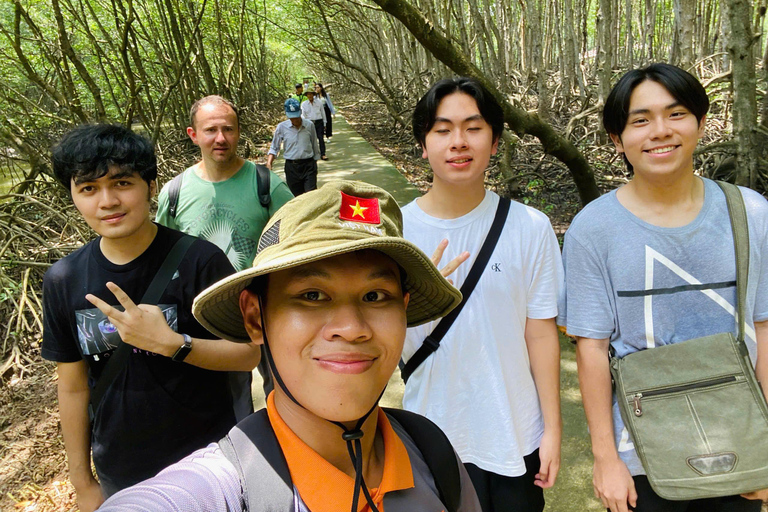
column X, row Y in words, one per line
column 322, row 486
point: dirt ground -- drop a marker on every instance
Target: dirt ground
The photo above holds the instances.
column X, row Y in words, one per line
column 33, row 474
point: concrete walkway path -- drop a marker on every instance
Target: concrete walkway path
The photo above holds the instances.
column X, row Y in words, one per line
column 351, row 157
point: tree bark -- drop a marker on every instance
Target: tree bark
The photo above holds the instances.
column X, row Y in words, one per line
column 737, row 16
column 684, row 27
column 603, row 60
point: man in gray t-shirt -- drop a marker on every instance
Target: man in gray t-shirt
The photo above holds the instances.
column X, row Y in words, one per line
column 660, row 285
column 652, row 264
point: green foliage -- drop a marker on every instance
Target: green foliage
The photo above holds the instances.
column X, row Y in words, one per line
column 533, row 196
column 138, row 62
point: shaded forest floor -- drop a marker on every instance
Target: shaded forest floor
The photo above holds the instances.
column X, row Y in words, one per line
column 33, row 474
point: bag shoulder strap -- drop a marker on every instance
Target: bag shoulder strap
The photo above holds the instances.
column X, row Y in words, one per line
column 155, row 289
column 174, row 188
column 737, row 212
column 438, row 453
column 251, row 446
column 432, row 342
column 263, row 185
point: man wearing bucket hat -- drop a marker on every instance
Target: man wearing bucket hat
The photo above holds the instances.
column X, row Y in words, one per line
column 330, row 294
column 301, row 149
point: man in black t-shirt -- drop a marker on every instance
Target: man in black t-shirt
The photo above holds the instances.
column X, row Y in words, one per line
column 158, row 409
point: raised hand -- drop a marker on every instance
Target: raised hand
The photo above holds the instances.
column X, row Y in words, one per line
column 142, row 326
column 451, row 267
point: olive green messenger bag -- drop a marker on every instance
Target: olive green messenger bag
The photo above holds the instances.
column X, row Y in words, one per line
column 694, row 410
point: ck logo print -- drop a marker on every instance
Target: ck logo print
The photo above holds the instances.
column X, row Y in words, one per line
column 496, row 267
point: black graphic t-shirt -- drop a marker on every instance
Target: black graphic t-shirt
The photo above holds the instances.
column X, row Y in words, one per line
column 157, row 410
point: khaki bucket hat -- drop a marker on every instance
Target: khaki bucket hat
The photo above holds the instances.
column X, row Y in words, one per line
column 341, row 217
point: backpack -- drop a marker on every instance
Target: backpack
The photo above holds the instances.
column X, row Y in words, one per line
column 251, row 446
column 262, row 185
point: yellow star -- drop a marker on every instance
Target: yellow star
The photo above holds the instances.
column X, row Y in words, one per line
column 358, row 210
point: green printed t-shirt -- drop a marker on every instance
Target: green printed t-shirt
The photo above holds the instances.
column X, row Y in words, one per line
column 226, row 213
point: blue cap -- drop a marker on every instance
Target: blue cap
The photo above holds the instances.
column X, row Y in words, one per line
column 292, row 108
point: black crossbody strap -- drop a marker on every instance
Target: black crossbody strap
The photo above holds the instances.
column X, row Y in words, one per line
column 737, row 212
column 432, row 342
column 155, row 289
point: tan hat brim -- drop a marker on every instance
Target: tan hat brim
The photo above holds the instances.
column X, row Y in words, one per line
column 217, row 307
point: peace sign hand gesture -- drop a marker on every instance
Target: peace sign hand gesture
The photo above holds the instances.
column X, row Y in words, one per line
column 452, row 265
column 142, row 326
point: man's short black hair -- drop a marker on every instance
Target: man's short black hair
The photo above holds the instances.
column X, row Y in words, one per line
column 426, row 109
column 683, row 86
column 299, row 85
column 87, row 152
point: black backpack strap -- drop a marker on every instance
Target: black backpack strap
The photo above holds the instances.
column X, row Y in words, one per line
column 119, row 357
column 174, row 188
column 438, row 453
column 251, row 446
column 432, row 342
column 262, row 185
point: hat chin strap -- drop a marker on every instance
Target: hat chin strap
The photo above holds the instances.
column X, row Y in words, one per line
column 351, row 436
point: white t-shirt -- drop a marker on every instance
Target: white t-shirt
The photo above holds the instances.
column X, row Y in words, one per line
column 478, row 385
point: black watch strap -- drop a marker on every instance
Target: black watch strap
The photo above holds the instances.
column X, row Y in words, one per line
column 184, row 350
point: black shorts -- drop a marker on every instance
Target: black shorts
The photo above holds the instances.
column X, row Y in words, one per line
column 498, row 493
column 649, row 501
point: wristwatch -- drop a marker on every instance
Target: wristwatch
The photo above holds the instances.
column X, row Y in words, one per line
column 184, row 349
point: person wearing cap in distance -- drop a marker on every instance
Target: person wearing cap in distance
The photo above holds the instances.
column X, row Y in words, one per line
column 300, row 149
column 330, row 294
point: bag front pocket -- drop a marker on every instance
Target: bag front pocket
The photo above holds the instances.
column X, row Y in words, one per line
column 637, row 398
column 699, row 429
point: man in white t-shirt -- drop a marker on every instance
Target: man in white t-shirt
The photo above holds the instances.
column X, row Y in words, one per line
column 493, row 384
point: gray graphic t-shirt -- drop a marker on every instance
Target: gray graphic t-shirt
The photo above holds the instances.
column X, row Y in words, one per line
column 644, row 286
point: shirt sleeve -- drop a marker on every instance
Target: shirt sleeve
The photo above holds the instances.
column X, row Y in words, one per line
column 760, row 313
column 280, row 193
column 757, row 211
column 277, row 140
column 58, row 343
column 546, row 280
column 163, row 217
column 587, row 310
column 215, row 269
column 305, row 109
column 201, row 482
column 330, row 104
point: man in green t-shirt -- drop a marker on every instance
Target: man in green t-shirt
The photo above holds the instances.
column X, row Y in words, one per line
column 219, row 197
